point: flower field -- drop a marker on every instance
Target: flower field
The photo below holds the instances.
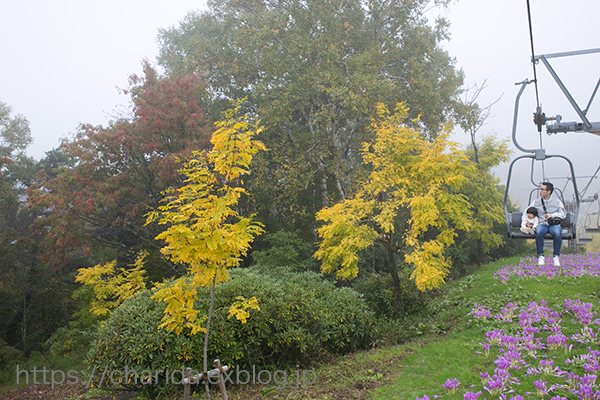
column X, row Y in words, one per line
column 571, row 265
column 536, row 349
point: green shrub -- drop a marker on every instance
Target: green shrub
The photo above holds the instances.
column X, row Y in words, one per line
column 378, row 291
column 9, row 357
column 302, row 318
column 286, row 249
column 69, row 341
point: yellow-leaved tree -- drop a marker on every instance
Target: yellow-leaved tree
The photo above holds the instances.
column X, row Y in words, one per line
column 409, row 203
column 485, row 194
column 204, row 230
column 112, row 286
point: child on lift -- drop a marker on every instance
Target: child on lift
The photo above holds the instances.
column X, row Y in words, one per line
column 530, row 222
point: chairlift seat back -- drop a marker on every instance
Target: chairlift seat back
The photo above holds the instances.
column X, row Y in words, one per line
column 514, row 232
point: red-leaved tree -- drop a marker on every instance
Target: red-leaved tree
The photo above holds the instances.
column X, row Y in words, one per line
column 116, row 174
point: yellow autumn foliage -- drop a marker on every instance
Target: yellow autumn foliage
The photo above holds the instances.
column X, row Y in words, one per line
column 113, row 286
column 204, row 230
column 240, row 309
column 409, row 174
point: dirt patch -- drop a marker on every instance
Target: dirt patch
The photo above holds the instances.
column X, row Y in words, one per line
column 354, row 376
column 46, row 392
column 60, row 392
column 351, row 377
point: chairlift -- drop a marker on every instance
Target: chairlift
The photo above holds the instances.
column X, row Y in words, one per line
column 584, row 229
column 553, row 124
column 594, row 229
column 588, row 224
column 513, row 220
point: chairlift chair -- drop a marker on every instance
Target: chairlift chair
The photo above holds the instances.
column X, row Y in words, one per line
column 513, row 220
column 585, row 228
column 588, row 221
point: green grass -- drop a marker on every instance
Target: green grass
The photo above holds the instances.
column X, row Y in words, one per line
column 454, row 355
column 429, row 366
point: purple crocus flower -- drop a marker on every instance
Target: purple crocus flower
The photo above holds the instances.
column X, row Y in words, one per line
column 494, row 337
column 546, row 367
column 592, row 367
column 451, row 385
column 572, row 381
column 484, row 377
column 507, row 313
column 471, row 395
column 557, row 341
column 502, row 363
column 494, row 386
column 486, row 349
column 582, row 311
column 511, row 359
column 588, row 379
column 586, row 336
column 541, row 387
column 480, row 312
column 586, row 392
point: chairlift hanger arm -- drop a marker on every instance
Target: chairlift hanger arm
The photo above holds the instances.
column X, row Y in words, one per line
column 569, row 223
column 516, row 116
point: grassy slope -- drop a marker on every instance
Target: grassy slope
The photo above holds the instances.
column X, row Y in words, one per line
column 447, row 349
column 453, row 355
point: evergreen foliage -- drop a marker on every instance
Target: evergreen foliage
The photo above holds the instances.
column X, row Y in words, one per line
column 302, row 319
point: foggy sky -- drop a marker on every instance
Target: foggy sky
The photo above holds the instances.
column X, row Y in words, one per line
column 63, row 62
column 491, row 40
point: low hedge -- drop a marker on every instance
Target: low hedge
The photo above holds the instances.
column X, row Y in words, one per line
column 302, row 318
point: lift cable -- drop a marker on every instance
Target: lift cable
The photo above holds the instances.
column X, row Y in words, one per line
column 537, row 97
column 539, row 118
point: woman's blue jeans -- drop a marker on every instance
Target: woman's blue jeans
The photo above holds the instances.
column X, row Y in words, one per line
column 555, row 231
